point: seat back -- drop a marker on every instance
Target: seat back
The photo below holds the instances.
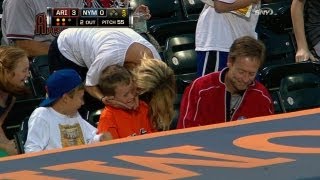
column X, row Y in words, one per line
column 274, row 28
column 39, row 68
column 20, row 137
column 94, row 116
column 192, row 8
column 300, row 91
column 276, row 16
column 40, row 65
column 181, row 56
column 272, row 77
column 161, row 32
column 22, row 108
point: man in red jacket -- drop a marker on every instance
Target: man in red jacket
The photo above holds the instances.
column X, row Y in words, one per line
column 231, row 94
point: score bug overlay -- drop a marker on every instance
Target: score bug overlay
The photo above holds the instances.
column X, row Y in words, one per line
column 89, row 17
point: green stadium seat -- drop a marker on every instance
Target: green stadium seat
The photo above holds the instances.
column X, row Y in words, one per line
column 94, row 116
column 274, row 28
column 21, row 109
column 273, row 76
column 161, row 32
column 180, row 55
column 20, row 136
column 300, row 91
column 39, row 68
column 192, row 8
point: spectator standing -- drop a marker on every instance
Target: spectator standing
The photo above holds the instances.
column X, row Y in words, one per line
column 219, row 24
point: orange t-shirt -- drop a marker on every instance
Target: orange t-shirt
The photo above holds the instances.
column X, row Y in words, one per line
column 123, row 123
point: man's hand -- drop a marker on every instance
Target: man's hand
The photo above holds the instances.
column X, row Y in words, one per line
column 303, row 55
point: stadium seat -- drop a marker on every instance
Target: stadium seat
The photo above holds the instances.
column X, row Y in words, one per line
column 280, row 48
column 180, row 55
column 272, row 77
column 21, row 109
column 192, row 8
column 276, row 16
column 300, row 91
column 161, row 32
column 93, row 117
column 20, row 136
column 39, row 68
column 274, row 28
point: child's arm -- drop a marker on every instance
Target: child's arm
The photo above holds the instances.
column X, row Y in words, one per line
column 106, row 124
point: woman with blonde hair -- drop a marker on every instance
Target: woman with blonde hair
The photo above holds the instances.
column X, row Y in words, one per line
column 157, row 87
column 14, row 71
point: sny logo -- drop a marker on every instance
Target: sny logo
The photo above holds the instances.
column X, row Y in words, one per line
column 264, row 11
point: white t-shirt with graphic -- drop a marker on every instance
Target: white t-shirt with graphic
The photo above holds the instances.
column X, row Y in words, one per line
column 48, row 129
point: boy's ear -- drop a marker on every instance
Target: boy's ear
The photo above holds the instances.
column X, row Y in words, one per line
column 65, row 97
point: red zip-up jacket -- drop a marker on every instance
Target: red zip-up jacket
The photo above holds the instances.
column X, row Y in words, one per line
column 204, row 102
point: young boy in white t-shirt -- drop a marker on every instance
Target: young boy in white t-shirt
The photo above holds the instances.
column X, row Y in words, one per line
column 57, row 123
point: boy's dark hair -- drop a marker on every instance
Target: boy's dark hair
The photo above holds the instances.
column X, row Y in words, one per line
column 111, row 76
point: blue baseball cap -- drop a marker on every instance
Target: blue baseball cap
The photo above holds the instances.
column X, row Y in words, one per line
column 59, row 83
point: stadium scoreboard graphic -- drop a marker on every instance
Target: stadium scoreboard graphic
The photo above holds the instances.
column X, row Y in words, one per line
column 89, row 17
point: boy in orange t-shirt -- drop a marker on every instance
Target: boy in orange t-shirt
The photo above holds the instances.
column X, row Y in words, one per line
column 117, row 84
